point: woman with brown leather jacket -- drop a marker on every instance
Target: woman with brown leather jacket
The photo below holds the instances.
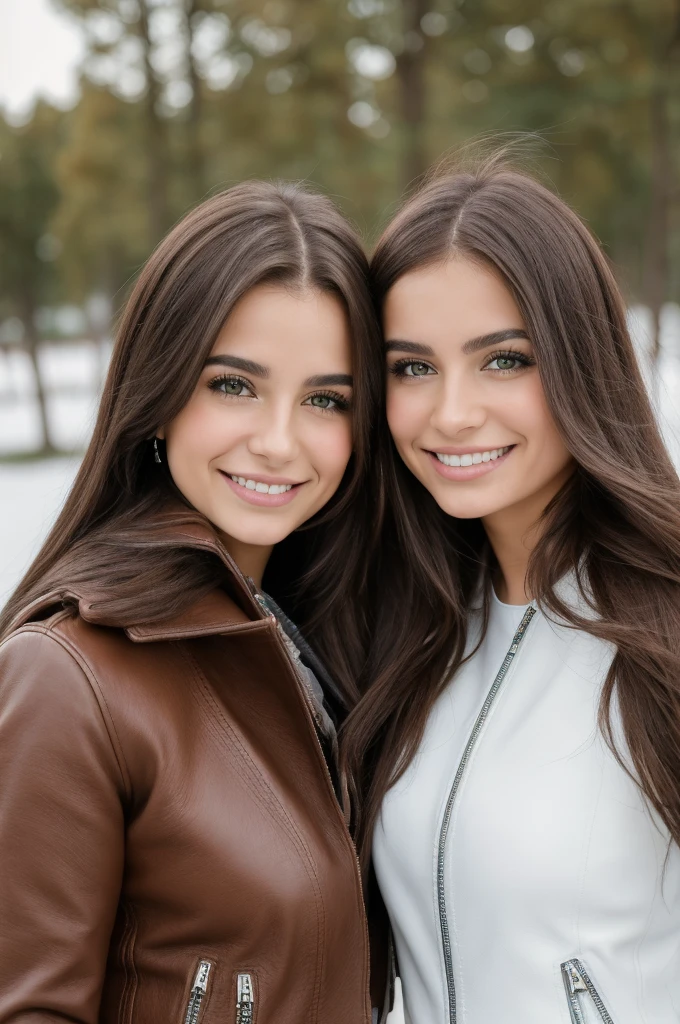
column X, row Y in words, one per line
column 173, row 827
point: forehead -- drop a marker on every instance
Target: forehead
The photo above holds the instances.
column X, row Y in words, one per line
column 273, row 324
column 455, row 300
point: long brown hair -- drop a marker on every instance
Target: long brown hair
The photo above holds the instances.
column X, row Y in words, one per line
column 616, row 523
column 253, row 233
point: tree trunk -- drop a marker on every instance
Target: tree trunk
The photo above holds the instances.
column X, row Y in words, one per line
column 658, row 234
column 657, row 263
column 411, row 74
column 31, row 348
column 156, row 141
column 195, row 155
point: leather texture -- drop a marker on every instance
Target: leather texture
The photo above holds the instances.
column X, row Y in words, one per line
column 164, row 801
column 552, row 853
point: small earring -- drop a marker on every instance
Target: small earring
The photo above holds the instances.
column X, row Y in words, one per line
column 156, row 453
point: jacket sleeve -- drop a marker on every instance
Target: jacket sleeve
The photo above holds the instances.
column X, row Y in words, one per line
column 61, row 834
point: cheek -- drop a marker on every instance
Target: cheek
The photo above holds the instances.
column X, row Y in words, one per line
column 408, row 409
column 528, row 412
column 204, row 430
column 330, row 449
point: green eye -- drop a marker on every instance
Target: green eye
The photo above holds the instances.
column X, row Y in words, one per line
column 230, row 387
column 505, row 363
column 418, row 369
column 321, row 401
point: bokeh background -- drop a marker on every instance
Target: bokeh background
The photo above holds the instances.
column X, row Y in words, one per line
column 116, row 116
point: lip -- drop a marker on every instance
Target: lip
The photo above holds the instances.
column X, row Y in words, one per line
column 260, row 498
column 466, row 472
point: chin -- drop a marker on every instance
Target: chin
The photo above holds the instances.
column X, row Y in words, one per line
column 466, row 509
column 257, row 537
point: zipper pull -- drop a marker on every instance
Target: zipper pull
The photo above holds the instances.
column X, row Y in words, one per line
column 198, row 992
column 201, row 979
column 576, row 982
column 244, row 999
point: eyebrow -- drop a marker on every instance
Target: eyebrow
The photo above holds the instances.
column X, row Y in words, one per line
column 324, row 380
column 495, row 338
column 237, row 363
column 416, row 348
column 329, row 380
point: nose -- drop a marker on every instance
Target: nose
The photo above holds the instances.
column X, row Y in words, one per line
column 459, row 406
column 274, row 437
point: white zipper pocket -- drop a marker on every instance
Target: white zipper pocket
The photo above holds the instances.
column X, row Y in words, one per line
column 585, row 1003
column 199, row 990
column 245, row 999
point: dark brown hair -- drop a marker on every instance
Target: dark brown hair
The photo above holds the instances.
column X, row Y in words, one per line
column 253, row 233
column 616, row 523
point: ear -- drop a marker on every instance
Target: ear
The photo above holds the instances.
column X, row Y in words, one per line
column 160, row 434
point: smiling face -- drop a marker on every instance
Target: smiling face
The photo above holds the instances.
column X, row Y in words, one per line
column 465, row 403
column 265, row 439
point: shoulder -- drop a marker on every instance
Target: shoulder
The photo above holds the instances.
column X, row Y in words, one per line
column 51, row 699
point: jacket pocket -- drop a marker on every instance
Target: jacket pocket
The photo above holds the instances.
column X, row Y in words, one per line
column 585, row 1002
column 199, row 991
column 245, row 999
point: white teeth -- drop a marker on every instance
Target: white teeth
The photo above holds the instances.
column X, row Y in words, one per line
column 473, row 459
column 262, row 488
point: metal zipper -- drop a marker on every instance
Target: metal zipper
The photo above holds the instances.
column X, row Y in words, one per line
column 474, row 735
column 198, row 992
column 576, row 980
column 245, row 999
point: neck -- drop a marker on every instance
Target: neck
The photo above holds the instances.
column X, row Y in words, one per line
column 250, row 558
column 513, row 534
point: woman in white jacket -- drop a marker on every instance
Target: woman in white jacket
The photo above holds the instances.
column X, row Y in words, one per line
column 518, row 749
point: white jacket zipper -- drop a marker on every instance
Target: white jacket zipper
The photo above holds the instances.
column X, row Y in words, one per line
column 198, row 992
column 579, row 987
column 446, row 821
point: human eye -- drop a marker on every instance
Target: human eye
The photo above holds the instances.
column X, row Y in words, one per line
column 508, row 362
column 411, row 368
column 231, row 386
column 328, row 401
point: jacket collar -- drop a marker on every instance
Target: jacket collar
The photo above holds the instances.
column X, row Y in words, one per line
column 218, row 612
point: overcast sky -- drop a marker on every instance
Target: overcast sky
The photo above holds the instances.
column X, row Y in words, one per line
column 39, row 51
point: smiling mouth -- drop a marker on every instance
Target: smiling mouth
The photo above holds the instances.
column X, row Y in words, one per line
column 473, row 458
column 263, row 493
column 465, row 467
column 260, row 486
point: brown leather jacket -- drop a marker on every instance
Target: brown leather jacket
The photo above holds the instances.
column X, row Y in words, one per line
column 171, row 847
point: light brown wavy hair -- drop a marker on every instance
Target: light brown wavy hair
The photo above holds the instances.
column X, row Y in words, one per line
column 253, row 233
column 615, row 523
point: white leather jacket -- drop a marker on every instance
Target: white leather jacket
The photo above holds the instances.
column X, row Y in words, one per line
column 526, row 877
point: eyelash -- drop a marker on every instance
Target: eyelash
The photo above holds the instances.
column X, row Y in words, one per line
column 521, row 357
column 398, row 369
column 216, row 383
column 341, row 404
